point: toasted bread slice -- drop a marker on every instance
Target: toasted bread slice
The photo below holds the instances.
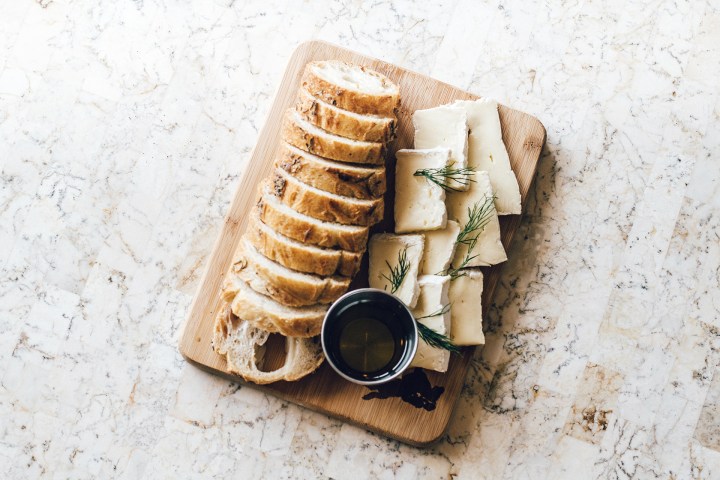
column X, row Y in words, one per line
column 323, row 205
column 351, row 87
column 243, row 346
column 367, row 128
column 280, row 283
column 299, row 256
column 303, row 134
column 334, row 177
column 303, row 228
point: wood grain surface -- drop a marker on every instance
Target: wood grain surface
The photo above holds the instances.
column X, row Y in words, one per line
column 324, row 391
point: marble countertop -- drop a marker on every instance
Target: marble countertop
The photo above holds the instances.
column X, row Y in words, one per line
column 125, row 126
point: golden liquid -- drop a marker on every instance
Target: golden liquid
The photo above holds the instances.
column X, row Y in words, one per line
column 366, row 344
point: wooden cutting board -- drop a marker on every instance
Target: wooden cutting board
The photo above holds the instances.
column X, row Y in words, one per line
column 416, row 409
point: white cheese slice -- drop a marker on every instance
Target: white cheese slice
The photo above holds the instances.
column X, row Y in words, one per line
column 419, row 203
column 433, row 297
column 387, row 248
column 487, row 152
column 444, row 126
column 488, row 249
column 466, row 309
column 439, row 248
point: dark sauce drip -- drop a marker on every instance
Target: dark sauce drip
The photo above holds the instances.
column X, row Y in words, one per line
column 414, row 388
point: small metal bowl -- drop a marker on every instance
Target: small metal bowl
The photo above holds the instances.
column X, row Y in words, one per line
column 379, row 306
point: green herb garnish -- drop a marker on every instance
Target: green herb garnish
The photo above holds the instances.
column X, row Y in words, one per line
column 445, row 176
column 397, row 273
column 442, row 311
column 478, row 217
column 435, row 339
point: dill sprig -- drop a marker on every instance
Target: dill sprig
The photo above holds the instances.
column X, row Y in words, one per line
column 455, row 273
column 442, row 311
column 398, row 272
column 479, row 215
column 435, row 339
column 445, row 176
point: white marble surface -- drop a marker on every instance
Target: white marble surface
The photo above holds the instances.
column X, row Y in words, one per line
column 125, row 126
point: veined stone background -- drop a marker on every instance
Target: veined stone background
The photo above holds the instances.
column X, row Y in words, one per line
column 126, row 125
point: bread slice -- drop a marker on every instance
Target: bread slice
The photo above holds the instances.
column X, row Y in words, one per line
column 303, row 134
column 265, row 313
column 324, row 205
column 338, row 178
column 305, row 229
column 351, row 87
column 286, row 286
column 244, row 349
column 368, row 128
column 299, row 256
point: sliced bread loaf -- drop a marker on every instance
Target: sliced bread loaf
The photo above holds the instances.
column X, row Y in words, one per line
column 338, row 178
column 303, row 134
column 368, row 128
column 299, row 256
column 287, row 286
column 324, row 205
column 351, row 87
column 243, row 346
column 303, row 228
column 265, row 313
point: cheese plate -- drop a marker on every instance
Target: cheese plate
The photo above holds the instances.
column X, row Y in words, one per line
column 417, row 408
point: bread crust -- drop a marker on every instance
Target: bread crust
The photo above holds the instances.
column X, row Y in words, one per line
column 326, row 207
column 337, row 178
column 239, row 342
column 350, row 99
column 298, row 256
column 306, row 231
column 368, row 128
column 305, row 322
column 330, row 146
column 285, row 287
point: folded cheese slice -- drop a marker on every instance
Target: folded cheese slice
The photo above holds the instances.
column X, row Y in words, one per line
column 439, row 248
column 488, row 250
column 466, row 309
column 444, row 126
column 419, row 202
column 431, row 301
column 487, row 152
column 394, row 264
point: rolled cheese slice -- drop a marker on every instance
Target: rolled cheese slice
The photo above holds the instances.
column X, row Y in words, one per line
column 444, row 126
column 432, row 299
column 395, row 253
column 419, row 202
column 440, row 249
column 488, row 250
column 487, row 152
column 466, row 309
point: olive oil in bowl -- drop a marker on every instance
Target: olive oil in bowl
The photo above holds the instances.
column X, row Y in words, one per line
column 366, row 345
column 369, row 336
